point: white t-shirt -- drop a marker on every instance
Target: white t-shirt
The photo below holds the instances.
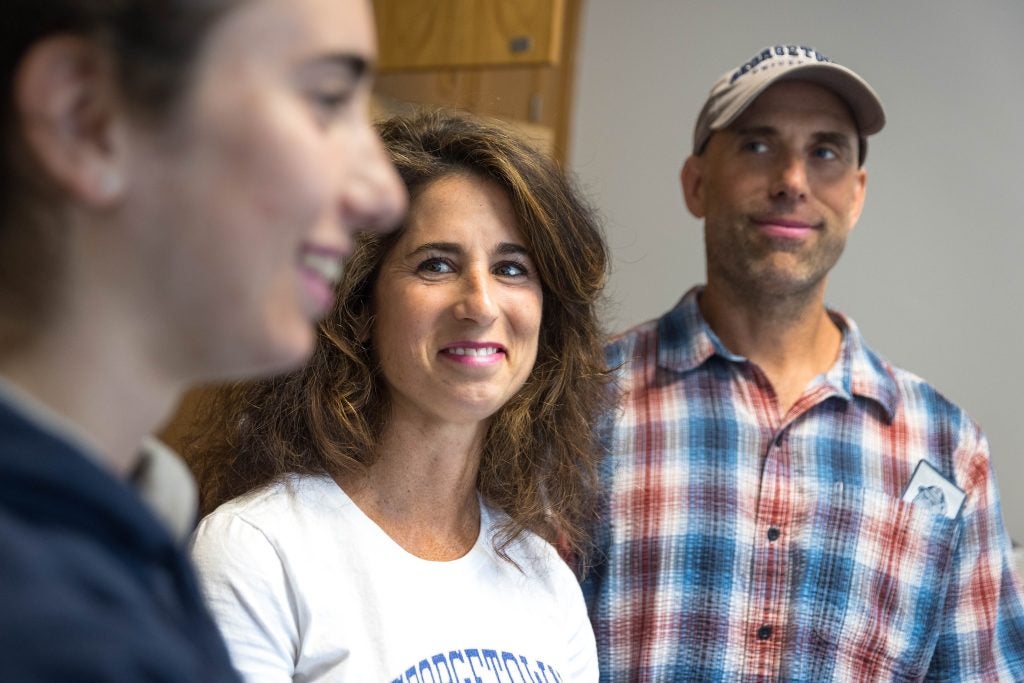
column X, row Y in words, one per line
column 305, row 587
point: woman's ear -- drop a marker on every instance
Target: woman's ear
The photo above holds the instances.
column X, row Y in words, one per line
column 69, row 113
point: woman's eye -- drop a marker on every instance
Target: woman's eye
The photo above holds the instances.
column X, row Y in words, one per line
column 330, row 102
column 330, row 86
column 755, row 146
column 825, row 153
column 511, row 269
column 437, row 266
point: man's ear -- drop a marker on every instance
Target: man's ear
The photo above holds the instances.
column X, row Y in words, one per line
column 66, row 99
column 692, row 180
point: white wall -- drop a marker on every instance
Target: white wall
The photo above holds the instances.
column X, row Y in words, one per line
column 932, row 273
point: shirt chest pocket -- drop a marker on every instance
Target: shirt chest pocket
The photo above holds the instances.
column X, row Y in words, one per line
column 878, row 571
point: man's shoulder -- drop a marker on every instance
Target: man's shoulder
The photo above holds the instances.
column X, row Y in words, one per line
column 634, row 355
column 637, row 339
column 908, row 383
column 672, row 331
column 918, row 400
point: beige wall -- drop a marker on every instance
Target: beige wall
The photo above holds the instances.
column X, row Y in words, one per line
column 933, row 272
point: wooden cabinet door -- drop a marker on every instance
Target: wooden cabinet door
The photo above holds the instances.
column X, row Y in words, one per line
column 424, row 34
column 463, row 54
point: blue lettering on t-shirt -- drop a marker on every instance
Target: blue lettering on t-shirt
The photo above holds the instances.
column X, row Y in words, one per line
column 425, row 666
column 438, row 661
column 509, row 660
column 555, row 678
column 471, row 654
column 492, row 666
column 451, row 659
column 491, row 656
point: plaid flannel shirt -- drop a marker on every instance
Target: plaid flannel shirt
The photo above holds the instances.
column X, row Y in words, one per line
column 738, row 544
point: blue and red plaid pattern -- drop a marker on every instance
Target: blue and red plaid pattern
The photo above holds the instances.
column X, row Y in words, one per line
column 738, row 544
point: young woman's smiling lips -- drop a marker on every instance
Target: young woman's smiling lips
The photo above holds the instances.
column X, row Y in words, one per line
column 319, row 271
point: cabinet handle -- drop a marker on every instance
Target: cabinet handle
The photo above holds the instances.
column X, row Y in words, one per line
column 520, row 44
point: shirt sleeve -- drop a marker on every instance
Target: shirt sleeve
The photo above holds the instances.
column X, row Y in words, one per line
column 981, row 636
column 247, row 590
column 582, row 649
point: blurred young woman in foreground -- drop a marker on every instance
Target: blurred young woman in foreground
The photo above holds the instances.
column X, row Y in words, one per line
column 180, row 181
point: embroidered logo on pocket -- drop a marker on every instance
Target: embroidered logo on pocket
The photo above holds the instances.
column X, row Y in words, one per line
column 932, row 490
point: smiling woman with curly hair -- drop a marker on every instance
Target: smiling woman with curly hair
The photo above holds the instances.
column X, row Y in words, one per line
column 391, row 508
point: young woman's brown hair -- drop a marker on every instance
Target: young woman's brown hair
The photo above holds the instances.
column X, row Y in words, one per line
column 152, row 46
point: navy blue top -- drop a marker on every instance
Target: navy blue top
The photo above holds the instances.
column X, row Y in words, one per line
column 92, row 586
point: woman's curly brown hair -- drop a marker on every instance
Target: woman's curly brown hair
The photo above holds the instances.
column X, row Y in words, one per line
column 539, row 456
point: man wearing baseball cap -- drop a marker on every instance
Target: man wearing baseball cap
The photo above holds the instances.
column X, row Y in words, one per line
column 781, row 504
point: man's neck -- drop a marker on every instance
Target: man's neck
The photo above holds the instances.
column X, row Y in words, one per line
column 792, row 340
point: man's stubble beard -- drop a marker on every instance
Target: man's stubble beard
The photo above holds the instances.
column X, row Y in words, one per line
column 744, row 265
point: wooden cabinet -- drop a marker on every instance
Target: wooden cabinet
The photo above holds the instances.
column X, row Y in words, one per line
column 511, row 59
column 417, row 34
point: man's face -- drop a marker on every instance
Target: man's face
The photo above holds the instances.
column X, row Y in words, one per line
column 779, row 190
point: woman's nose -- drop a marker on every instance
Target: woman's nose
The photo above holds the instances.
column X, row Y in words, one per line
column 476, row 300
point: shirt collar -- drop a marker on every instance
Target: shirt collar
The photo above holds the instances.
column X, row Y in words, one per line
column 859, row 371
column 686, row 341
column 163, row 480
column 160, row 477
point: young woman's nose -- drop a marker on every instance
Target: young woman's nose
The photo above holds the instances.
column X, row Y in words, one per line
column 373, row 197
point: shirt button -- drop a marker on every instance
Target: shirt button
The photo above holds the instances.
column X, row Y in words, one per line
column 764, row 633
column 773, row 534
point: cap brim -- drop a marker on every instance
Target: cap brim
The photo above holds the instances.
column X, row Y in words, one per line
column 863, row 101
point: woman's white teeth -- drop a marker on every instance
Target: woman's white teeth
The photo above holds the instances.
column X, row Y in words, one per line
column 462, row 351
column 326, row 266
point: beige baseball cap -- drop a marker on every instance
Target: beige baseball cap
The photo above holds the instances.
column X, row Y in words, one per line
column 738, row 88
